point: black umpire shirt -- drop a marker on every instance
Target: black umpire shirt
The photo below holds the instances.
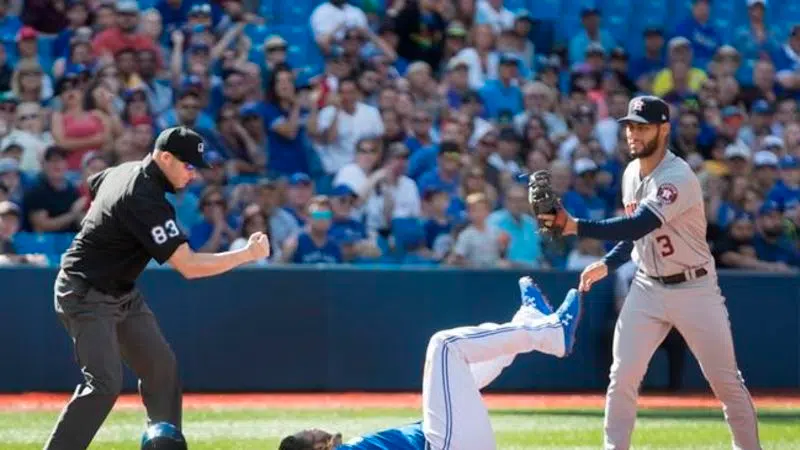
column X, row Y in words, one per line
column 129, row 222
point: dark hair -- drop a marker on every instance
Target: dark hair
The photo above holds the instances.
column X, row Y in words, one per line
column 272, row 95
column 89, row 102
column 349, row 79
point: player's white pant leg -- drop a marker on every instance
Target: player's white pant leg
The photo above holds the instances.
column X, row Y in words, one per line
column 455, row 417
column 699, row 313
column 640, row 329
column 487, row 371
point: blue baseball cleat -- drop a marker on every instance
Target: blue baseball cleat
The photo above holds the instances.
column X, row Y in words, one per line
column 533, row 297
column 569, row 314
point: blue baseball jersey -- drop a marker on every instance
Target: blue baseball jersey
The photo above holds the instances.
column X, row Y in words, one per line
column 407, row 437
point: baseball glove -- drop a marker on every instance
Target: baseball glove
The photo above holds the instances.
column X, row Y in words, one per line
column 543, row 200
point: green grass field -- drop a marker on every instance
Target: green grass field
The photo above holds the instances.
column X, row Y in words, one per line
column 516, row 429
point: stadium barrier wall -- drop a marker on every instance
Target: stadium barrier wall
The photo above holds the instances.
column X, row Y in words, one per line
column 307, row 329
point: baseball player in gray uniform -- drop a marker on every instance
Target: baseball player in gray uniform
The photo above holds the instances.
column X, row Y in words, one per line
column 664, row 231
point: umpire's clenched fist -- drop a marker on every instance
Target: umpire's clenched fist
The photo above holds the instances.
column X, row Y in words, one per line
column 258, row 246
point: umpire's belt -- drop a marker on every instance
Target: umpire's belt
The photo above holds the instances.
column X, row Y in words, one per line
column 681, row 277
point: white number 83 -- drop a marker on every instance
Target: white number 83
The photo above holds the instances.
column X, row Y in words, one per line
column 161, row 234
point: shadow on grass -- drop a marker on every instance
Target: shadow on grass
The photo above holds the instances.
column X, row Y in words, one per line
column 694, row 414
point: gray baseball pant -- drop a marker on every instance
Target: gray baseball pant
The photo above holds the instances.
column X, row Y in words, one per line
column 105, row 331
column 697, row 310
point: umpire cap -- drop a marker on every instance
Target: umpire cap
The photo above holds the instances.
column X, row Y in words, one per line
column 163, row 436
column 185, row 144
column 647, row 109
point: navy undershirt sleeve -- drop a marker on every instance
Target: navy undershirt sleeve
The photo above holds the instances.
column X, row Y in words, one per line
column 618, row 255
column 630, row 228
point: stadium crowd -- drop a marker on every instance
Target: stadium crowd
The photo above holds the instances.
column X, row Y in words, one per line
column 397, row 133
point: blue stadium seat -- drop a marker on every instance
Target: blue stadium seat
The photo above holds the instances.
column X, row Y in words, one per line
column 34, row 243
column 618, row 24
column 515, row 5
column 545, row 9
column 257, row 34
column 782, row 15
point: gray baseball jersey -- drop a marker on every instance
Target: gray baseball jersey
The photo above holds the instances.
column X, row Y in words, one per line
column 673, row 193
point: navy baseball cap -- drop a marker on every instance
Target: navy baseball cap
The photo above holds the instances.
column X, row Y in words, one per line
column 647, row 109
column 185, row 144
column 789, row 162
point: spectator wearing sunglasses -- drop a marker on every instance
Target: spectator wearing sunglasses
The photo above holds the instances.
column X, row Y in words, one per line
column 30, row 135
column 314, row 245
column 218, row 229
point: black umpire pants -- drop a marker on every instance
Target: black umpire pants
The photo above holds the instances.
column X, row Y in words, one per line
column 107, row 330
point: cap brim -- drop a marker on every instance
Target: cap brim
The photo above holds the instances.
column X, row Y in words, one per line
column 634, row 118
column 198, row 162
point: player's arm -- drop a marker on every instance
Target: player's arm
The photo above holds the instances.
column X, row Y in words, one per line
column 631, row 228
column 619, row 255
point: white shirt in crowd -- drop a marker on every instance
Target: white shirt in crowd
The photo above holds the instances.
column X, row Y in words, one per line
column 499, row 20
column 33, row 147
column 406, row 202
column 365, row 122
column 476, row 73
column 326, row 18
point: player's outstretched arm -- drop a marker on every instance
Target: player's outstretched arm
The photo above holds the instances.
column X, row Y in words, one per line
column 631, row 228
column 198, row 265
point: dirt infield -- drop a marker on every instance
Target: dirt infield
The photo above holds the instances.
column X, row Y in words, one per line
column 50, row 401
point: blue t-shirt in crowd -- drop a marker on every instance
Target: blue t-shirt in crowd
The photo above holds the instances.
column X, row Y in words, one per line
column 307, row 251
column 783, row 194
column 498, row 98
column 582, row 207
column 704, row 39
column 201, row 233
column 422, row 161
column 408, row 437
column 286, row 156
column 433, row 229
column 352, row 225
column 781, row 251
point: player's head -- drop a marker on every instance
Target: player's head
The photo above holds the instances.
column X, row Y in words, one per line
column 646, row 126
column 179, row 152
column 312, row 439
column 163, row 436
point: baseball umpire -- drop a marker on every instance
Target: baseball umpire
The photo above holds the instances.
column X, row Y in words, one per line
column 128, row 223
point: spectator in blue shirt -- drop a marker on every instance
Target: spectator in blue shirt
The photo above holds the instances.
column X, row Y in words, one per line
column 421, row 131
column 503, row 95
column 755, row 40
column 436, row 202
column 703, row 36
column 524, row 245
column 314, row 246
column 591, row 33
column 771, row 242
column 447, row 172
column 457, row 82
column 787, row 189
column 583, row 201
column 218, row 229
column 652, row 61
column 78, row 16
column 187, row 112
column 298, row 195
column 288, row 118
column 343, row 198
column 9, row 24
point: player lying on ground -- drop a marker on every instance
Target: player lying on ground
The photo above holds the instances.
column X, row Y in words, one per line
column 459, row 363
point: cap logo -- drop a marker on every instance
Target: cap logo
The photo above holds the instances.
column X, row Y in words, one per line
column 200, row 147
column 637, row 105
